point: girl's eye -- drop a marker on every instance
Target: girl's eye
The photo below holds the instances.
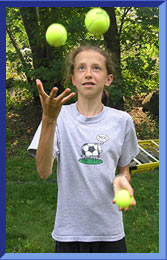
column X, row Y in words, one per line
column 96, row 68
column 81, row 68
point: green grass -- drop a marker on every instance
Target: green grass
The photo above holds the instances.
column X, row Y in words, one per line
column 142, row 222
column 30, row 214
column 31, row 208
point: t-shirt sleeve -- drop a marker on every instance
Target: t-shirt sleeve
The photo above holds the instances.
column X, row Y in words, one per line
column 35, row 141
column 130, row 146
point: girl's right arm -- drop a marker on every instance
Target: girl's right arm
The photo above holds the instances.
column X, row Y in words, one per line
column 51, row 107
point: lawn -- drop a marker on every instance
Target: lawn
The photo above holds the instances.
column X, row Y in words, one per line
column 31, row 208
column 142, row 222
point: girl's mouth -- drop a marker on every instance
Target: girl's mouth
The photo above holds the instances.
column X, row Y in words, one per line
column 88, row 84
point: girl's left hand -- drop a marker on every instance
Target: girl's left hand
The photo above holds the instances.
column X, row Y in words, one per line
column 120, row 183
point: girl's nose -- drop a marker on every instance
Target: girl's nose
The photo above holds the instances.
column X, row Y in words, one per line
column 88, row 73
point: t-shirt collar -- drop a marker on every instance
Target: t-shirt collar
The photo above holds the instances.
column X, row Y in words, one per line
column 87, row 119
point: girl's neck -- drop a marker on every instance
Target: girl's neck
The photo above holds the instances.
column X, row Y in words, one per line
column 89, row 107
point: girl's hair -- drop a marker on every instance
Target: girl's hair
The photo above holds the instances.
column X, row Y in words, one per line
column 70, row 59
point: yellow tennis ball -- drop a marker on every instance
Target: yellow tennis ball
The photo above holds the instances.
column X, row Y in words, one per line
column 56, row 35
column 123, row 199
column 97, row 21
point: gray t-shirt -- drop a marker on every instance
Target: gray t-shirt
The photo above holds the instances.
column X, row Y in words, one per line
column 88, row 151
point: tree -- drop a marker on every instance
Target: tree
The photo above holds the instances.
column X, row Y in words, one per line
column 139, row 49
column 47, row 61
column 17, row 35
column 129, row 38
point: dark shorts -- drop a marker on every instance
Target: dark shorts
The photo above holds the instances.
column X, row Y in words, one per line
column 91, row 247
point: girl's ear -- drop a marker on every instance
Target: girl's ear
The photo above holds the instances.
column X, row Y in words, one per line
column 72, row 79
column 109, row 80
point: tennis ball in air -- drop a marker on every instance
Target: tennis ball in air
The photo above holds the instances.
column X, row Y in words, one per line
column 97, row 21
column 56, row 35
column 123, row 199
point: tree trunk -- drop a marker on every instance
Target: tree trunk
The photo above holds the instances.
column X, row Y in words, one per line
column 36, row 22
column 112, row 42
column 19, row 53
column 30, row 21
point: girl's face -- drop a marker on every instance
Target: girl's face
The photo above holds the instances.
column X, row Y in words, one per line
column 90, row 74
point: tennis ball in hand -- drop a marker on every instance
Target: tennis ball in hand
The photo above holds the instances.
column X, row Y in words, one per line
column 123, row 199
column 97, row 21
column 56, row 35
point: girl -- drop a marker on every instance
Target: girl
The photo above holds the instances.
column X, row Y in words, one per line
column 89, row 141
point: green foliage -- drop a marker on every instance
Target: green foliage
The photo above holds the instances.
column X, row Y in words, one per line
column 16, row 96
column 137, row 32
column 139, row 50
column 148, row 129
column 139, row 74
column 15, row 23
column 17, row 31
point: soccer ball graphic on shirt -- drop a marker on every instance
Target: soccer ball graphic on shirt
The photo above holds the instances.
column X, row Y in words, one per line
column 91, row 153
column 91, row 150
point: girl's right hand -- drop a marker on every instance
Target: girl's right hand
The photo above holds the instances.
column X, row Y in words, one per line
column 51, row 104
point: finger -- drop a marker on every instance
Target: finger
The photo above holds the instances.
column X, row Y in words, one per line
column 40, row 88
column 115, row 188
column 68, row 98
column 63, row 94
column 133, row 203
column 53, row 93
column 130, row 189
